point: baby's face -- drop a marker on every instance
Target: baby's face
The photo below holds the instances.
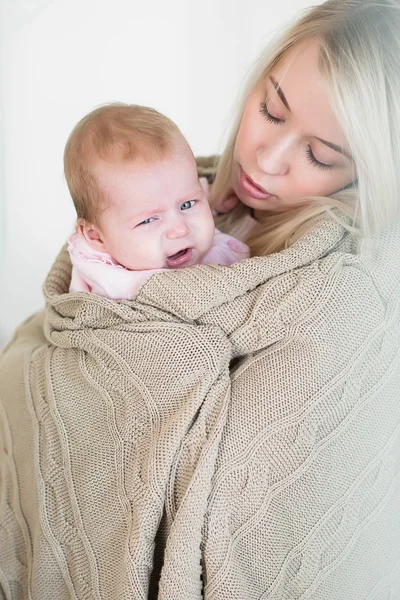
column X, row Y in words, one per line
column 157, row 214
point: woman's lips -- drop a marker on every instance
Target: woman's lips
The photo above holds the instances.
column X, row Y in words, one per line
column 180, row 258
column 252, row 188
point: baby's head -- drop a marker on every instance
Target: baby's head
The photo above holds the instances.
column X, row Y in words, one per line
column 134, row 183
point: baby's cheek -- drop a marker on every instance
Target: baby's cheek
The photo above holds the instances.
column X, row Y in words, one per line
column 137, row 256
column 211, row 231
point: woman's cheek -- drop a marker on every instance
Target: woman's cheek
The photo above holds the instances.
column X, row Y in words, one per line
column 310, row 182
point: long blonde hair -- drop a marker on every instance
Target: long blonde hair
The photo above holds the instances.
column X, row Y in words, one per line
column 360, row 60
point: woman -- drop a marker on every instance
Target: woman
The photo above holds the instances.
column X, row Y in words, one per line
column 233, row 432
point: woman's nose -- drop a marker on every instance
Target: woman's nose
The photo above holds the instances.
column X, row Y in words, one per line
column 177, row 229
column 273, row 158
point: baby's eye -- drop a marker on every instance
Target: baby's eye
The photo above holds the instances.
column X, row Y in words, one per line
column 188, row 204
column 146, row 221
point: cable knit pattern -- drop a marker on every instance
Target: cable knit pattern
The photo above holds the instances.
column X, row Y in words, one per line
column 233, row 432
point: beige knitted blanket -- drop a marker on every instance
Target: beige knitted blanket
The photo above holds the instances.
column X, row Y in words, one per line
column 237, row 427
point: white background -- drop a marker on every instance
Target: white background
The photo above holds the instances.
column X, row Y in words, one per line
column 61, row 58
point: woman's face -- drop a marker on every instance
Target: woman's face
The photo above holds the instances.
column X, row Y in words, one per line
column 290, row 144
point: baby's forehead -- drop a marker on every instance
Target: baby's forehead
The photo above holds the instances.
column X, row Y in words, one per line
column 147, row 160
column 132, row 187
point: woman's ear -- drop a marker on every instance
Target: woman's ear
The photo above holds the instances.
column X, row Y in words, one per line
column 92, row 235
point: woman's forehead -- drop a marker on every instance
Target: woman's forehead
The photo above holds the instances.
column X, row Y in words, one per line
column 298, row 74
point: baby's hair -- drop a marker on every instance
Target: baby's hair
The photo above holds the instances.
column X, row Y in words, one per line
column 115, row 133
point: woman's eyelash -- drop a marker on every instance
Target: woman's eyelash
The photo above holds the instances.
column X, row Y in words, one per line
column 310, row 156
column 265, row 113
column 311, row 159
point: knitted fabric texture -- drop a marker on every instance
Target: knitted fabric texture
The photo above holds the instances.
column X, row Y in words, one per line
column 237, row 426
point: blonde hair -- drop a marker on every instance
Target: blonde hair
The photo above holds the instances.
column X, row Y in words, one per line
column 118, row 133
column 360, row 60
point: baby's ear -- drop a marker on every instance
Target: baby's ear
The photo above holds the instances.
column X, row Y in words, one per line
column 205, row 185
column 227, row 204
column 91, row 234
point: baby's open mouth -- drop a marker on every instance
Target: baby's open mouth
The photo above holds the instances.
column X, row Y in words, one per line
column 180, row 258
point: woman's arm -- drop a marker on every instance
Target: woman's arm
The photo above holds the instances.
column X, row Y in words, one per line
column 305, row 497
column 306, row 494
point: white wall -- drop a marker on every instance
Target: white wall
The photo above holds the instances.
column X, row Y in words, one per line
column 61, row 58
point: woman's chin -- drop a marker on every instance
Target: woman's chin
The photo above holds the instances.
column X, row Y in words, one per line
column 269, row 204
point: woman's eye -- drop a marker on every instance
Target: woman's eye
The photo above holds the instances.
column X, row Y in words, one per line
column 312, row 160
column 146, row 221
column 265, row 113
column 188, row 204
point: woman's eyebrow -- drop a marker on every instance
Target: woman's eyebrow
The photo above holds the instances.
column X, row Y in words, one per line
column 282, row 96
column 279, row 92
column 335, row 147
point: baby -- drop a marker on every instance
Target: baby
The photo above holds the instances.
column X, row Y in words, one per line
column 140, row 205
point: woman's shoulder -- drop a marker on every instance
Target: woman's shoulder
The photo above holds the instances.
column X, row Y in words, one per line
column 207, row 166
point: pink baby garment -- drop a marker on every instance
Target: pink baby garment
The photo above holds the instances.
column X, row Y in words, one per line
column 98, row 273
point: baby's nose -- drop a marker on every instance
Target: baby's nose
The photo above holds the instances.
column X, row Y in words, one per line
column 178, row 229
